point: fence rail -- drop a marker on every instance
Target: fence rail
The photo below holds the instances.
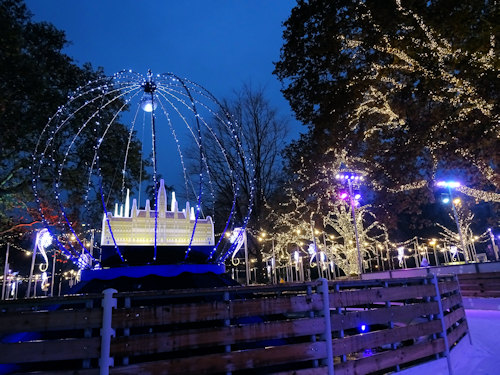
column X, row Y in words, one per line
column 311, row 328
column 480, row 284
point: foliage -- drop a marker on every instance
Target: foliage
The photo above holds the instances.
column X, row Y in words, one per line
column 408, row 88
column 36, row 78
column 311, row 213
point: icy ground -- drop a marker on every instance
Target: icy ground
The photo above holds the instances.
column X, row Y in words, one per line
column 480, row 358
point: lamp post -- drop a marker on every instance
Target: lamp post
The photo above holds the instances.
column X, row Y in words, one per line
column 493, row 243
column 247, row 266
column 353, row 178
column 5, row 272
column 261, row 238
column 433, row 243
column 450, row 185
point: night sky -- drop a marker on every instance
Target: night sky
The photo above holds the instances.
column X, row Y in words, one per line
column 219, row 44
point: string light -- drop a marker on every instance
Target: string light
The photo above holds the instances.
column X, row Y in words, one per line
column 95, row 108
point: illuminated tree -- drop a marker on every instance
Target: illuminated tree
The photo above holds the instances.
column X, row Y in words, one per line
column 312, row 203
column 409, row 87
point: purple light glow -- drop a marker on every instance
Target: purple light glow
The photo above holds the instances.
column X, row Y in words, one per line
column 448, row 184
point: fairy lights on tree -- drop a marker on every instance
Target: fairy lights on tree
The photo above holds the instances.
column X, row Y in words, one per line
column 402, row 86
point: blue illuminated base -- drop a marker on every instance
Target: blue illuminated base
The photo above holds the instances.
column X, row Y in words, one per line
column 145, row 255
column 166, row 270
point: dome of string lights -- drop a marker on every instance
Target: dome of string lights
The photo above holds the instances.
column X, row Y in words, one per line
column 72, row 166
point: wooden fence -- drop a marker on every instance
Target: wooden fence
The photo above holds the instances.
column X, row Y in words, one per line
column 480, row 284
column 350, row 327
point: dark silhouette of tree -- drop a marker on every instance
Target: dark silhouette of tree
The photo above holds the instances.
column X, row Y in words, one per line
column 36, row 78
column 261, row 131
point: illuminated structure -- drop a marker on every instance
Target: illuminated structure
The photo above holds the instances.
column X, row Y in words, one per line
column 134, row 232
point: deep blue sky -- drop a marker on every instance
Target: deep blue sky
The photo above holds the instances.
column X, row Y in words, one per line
column 219, row 44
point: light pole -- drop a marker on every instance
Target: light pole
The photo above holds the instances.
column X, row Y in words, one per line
column 493, row 243
column 350, row 178
column 450, row 185
column 5, row 272
column 261, row 238
column 433, row 243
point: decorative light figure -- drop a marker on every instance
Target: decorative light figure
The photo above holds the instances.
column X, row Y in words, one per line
column 401, row 254
column 43, row 240
column 188, row 104
column 453, row 252
column 311, row 250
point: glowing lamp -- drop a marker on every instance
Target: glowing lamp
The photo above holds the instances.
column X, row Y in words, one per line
column 448, row 184
column 343, row 196
column 446, row 200
column 296, row 256
column 357, row 197
column 362, row 328
column 148, row 104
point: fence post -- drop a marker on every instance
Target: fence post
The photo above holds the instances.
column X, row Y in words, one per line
column 108, row 303
column 390, row 323
column 327, row 335
column 87, row 332
column 227, row 323
column 455, row 277
column 126, row 331
column 311, row 315
column 443, row 326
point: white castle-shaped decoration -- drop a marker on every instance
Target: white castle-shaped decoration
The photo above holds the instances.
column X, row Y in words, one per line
column 174, row 228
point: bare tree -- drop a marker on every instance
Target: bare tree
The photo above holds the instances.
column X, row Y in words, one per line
column 260, row 132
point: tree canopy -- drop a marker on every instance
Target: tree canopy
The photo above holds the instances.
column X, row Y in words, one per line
column 36, row 78
column 408, row 88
